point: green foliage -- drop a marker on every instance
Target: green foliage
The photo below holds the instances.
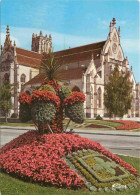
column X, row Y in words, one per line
column 108, row 166
column 81, row 166
column 64, row 92
column 47, row 88
column 43, row 112
column 24, row 113
column 118, row 93
column 75, row 112
column 51, row 65
column 99, row 117
column 5, row 98
column 14, row 115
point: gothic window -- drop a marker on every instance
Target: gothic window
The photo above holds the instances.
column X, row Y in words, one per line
column 6, row 77
column 99, row 97
column 119, row 56
column 23, row 78
column 115, row 38
column 109, row 51
column 75, row 88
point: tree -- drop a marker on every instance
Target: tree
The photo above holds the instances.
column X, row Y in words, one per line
column 51, row 66
column 118, row 93
column 52, row 102
column 5, row 98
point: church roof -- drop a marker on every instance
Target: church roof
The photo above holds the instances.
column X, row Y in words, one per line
column 28, row 58
column 67, row 75
column 81, row 53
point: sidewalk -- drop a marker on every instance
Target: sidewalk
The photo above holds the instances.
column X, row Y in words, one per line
column 80, row 131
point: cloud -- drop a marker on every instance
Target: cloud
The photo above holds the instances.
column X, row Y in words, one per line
column 131, row 45
column 23, row 37
column 105, row 23
column 3, row 35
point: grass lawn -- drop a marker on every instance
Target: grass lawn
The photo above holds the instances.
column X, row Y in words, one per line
column 12, row 186
column 16, row 124
column 110, row 125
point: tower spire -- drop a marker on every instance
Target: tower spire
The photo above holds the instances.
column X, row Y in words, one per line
column 8, row 42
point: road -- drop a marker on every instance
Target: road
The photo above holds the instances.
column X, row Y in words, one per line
column 126, row 143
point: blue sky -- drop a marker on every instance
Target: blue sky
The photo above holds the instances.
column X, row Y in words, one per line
column 73, row 22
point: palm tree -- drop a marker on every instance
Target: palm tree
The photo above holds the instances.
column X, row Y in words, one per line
column 51, row 66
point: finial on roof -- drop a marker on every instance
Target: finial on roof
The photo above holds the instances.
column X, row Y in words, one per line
column 14, row 43
column 46, row 35
column 131, row 68
column 40, row 33
column 113, row 21
column 7, row 30
column 8, row 42
column 50, row 36
column 33, row 35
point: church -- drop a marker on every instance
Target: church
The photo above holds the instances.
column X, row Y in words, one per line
column 86, row 68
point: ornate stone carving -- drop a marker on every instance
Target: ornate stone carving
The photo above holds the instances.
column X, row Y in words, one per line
column 114, row 48
column 119, row 56
column 109, row 51
column 114, row 38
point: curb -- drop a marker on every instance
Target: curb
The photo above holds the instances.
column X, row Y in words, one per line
column 75, row 131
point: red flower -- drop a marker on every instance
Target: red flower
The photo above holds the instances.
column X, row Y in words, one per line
column 126, row 125
column 24, row 98
column 47, row 96
column 74, row 97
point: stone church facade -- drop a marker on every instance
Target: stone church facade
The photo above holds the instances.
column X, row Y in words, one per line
column 85, row 68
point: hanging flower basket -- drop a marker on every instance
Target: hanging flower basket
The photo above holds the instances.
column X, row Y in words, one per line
column 43, row 106
column 74, row 107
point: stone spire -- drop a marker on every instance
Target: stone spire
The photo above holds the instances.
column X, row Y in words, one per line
column 8, row 42
column 40, row 33
column 113, row 21
column 119, row 33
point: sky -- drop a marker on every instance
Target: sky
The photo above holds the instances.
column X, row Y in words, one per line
column 73, row 23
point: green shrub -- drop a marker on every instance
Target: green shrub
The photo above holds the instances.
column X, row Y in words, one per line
column 25, row 113
column 14, row 115
column 47, row 88
column 64, row 92
column 43, row 112
column 75, row 112
column 99, row 117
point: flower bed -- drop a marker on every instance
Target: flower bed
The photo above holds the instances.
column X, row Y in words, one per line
column 126, row 125
column 38, row 158
column 47, row 96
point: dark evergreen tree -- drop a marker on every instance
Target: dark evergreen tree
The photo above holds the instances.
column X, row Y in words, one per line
column 5, row 98
column 118, row 93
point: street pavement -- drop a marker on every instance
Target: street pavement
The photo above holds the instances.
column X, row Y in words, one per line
column 119, row 142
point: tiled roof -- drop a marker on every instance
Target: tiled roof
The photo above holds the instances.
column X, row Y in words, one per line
column 32, row 59
column 28, row 58
column 81, row 53
column 71, row 74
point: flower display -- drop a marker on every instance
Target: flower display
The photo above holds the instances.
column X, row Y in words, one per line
column 47, row 96
column 38, row 158
column 126, row 125
column 54, row 84
column 24, row 98
column 74, row 98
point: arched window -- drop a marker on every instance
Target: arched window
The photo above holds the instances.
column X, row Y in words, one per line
column 6, row 77
column 28, row 92
column 23, row 78
column 100, row 97
column 75, row 88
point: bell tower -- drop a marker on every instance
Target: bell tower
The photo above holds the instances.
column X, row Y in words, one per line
column 41, row 43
